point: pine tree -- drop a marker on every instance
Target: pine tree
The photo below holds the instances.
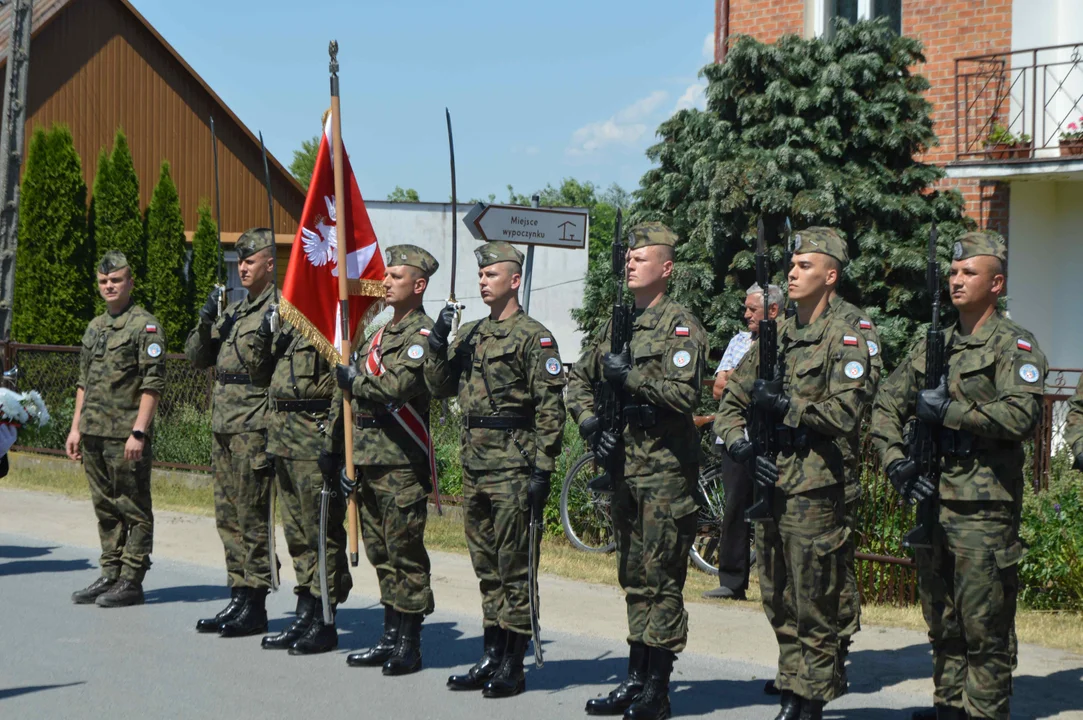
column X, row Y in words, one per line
column 118, row 222
column 54, row 277
column 205, row 257
column 822, row 132
column 167, row 285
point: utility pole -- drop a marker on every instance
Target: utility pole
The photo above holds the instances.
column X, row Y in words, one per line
column 12, row 133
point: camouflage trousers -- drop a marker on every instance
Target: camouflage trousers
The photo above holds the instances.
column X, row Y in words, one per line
column 242, row 497
column 300, row 485
column 496, row 517
column 850, row 598
column 654, row 518
column 802, row 562
column 968, row 582
column 120, row 493
column 394, row 510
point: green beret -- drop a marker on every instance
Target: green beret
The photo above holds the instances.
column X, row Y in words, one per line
column 413, row 256
column 252, row 241
column 828, row 241
column 494, row 252
column 982, row 242
column 651, row 233
column 112, row 261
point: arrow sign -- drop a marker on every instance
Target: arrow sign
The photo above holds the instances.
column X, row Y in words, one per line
column 556, row 227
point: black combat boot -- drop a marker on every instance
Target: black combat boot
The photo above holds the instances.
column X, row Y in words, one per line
column 791, row 706
column 407, row 656
column 306, row 610
column 653, row 702
column 319, row 637
column 811, row 709
column 379, row 653
column 91, row 592
column 616, row 702
column 123, row 594
column 946, row 712
column 237, row 598
column 495, row 639
column 509, row 679
column 252, row 618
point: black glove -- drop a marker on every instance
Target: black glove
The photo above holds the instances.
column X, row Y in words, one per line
column 265, row 324
column 344, row 377
column 741, row 451
column 616, row 366
column 329, row 464
column 209, row 312
column 1078, row 462
column 933, row 404
column 909, row 483
column 537, row 492
column 588, row 429
column 441, row 329
column 607, row 443
column 766, row 472
column 347, row 485
column 770, row 398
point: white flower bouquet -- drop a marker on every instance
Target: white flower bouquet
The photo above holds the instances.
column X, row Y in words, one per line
column 22, row 409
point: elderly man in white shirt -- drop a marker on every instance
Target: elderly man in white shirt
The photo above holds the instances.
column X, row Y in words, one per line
column 733, row 551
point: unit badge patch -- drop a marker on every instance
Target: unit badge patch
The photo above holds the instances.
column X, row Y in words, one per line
column 854, row 370
column 415, row 352
column 154, row 350
column 681, row 358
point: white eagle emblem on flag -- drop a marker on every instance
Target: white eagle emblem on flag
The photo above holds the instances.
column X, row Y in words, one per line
column 321, row 246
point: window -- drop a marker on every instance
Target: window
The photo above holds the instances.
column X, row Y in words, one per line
column 825, row 13
column 234, row 291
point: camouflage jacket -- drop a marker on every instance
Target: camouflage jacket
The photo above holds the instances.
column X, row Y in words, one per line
column 516, row 360
column 824, row 368
column 237, row 407
column 1073, row 427
column 122, row 357
column 669, row 356
column 850, row 446
column 996, row 378
column 403, row 348
column 289, row 365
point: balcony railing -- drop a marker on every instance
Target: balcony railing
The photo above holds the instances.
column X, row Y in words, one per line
column 1027, row 97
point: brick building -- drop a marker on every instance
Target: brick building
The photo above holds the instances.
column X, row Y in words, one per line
column 1010, row 63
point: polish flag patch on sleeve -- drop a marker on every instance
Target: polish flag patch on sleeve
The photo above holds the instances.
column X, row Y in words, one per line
column 865, row 325
column 681, row 331
column 1023, row 345
column 849, row 340
column 424, row 332
column 547, row 342
column 154, row 328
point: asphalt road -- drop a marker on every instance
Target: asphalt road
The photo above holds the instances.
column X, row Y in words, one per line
column 60, row 660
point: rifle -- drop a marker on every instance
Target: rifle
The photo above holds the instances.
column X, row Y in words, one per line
column 609, row 399
column 762, row 428
column 787, row 259
column 925, row 438
column 221, row 284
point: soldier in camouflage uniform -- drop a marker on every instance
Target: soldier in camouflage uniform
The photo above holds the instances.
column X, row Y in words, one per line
column 987, row 405
column 505, row 371
column 818, row 405
column 301, row 384
column 242, row 470
column 121, row 377
column 391, row 419
column 654, row 511
column 1073, row 429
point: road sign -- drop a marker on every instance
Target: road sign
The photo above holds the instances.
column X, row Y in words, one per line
column 556, row 227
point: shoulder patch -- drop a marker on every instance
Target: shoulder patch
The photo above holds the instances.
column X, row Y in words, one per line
column 424, row 332
column 874, row 349
column 552, row 366
column 416, row 352
column 854, row 370
column 681, row 358
column 1023, row 345
column 151, row 328
column 849, row 340
column 546, row 342
column 864, row 324
column 154, row 350
column 681, row 331
column 1029, row 373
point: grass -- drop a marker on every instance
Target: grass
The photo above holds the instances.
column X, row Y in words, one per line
column 184, row 492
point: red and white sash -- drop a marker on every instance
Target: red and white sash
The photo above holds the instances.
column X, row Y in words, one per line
column 407, row 417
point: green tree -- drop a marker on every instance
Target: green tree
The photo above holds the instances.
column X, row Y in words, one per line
column 205, row 257
column 304, row 161
column 118, row 222
column 54, row 268
column 167, row 285
column 400, row 195
column 822, row 132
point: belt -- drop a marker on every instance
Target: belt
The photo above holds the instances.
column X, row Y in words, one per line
column 367, row 422
column 314, row 405
column 498, row 422
column 234, row 378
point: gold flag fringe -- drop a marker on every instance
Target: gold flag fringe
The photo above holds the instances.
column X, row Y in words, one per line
column 324, row 346
column 367, row 288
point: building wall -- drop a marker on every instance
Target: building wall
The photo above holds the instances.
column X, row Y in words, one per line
column 767, row 20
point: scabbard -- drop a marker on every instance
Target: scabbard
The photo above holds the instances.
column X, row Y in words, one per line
column 272, row 559
column 325, row 501
column 533, row 552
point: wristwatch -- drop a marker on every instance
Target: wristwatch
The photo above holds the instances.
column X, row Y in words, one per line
column 139, row 435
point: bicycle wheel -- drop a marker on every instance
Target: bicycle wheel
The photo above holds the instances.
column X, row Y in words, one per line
column 585, row 514
column 705, row 548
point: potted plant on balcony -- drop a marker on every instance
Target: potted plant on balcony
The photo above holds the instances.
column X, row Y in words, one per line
column 1003, row 144
column 1071, row 139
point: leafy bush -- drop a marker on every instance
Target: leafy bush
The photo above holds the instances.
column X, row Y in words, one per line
column 183, row 436
column 1051, row 575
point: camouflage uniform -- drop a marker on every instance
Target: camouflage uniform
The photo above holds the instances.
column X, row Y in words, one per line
column 968, row 580
column 508, row 369
column 122, row 357
column 242, row 469
column 301, row 384
column 802, row 553
column 1073, row 428
column 850, row 601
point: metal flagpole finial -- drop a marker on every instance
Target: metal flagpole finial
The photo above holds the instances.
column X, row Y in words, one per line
column 332, row 50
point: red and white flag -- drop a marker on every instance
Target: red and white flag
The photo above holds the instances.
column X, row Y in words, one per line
column 310, row 290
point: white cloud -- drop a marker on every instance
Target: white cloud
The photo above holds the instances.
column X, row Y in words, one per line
column 625, row 128
column 708, row 47
column 693, row 97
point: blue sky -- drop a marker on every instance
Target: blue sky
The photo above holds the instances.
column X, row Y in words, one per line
column 537, row 91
